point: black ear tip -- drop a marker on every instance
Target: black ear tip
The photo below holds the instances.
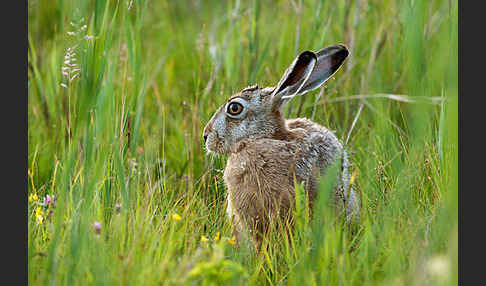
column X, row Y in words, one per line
column 342, row 50
column 307, row 56
column 339, row 52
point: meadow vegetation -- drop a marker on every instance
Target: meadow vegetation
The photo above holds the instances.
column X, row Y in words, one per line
column 123, row 192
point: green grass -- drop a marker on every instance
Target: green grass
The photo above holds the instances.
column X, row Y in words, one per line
column 127, row 130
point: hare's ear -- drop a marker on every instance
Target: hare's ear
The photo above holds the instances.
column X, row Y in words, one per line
column 294, row 78
column 329, row 60
column 306, row 74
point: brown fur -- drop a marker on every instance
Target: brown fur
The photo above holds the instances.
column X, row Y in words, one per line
column 267, row 153
column 260, row 175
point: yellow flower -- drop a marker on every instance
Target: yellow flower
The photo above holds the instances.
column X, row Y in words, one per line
column 218, row 235
column 38, row 212
column 232, row 241
column 33, row 197
column 203, row 238
column 38, row 215
column 353, row 176
column 176, row 217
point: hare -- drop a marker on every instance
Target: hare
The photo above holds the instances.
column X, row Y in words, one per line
column 267, row 152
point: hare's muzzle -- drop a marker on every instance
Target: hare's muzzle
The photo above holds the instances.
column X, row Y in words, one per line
column 211, row 139
column 207, row 130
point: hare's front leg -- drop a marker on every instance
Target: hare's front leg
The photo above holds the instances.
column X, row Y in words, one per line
column 234, row 218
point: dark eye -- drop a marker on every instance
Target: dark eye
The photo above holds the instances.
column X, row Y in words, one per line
column 234, row 108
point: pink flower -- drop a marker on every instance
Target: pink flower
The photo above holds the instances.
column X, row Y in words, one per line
column 50, row 200
column 97, row 227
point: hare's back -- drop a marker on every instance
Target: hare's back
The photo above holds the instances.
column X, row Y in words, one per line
column 324, row 148
column 320, row 144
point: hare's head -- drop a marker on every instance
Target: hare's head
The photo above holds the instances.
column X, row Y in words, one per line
column 256, row 112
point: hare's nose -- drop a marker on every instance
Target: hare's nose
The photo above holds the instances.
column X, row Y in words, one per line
column 206, row 131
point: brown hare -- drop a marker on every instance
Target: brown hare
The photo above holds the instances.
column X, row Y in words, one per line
column 267, row 152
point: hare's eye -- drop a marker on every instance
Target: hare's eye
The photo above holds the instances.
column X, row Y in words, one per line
column 234, row 108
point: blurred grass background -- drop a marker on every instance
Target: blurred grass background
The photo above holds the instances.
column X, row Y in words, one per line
column 118, row 95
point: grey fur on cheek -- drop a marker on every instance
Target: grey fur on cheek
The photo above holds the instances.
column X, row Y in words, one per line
column 240, row 131
column 219, row 125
